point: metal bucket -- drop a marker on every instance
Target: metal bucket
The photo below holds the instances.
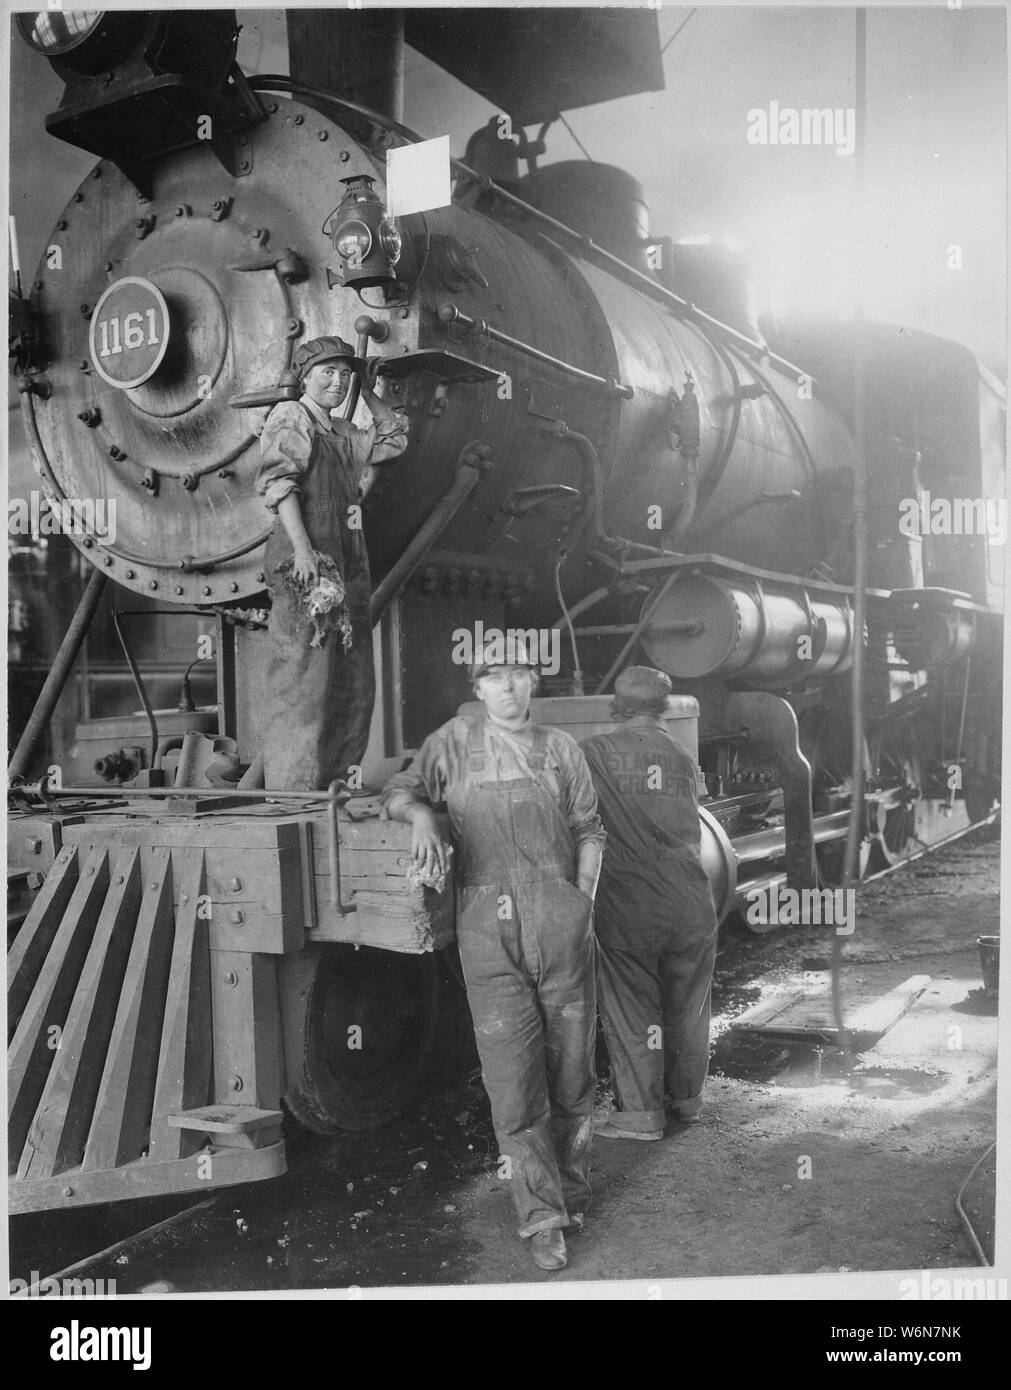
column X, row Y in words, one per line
column 989, row 959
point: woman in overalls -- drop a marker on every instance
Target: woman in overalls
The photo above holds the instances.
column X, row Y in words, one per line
column 316, row 702
column 523, row 816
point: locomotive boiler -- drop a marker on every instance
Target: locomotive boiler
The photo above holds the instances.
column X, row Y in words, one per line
column 603, row 447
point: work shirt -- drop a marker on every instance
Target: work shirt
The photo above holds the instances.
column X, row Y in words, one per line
column 442, row 762
column 287, row 438
column 647, row 787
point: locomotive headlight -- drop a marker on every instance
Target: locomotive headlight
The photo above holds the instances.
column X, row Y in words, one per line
column 141, row 84
column 366, row 240
column 54, row 33
column 83, row 42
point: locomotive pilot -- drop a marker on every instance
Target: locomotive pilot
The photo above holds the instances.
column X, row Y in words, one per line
column 656, row 923
column 523, row 817
column 319, row 684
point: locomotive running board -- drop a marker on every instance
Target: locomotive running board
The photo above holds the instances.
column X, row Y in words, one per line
column 113, row 980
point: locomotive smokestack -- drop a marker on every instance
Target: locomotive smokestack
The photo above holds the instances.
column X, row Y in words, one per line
column 357, row 55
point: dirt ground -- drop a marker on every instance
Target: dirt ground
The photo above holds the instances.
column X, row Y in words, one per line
column 802, row 1163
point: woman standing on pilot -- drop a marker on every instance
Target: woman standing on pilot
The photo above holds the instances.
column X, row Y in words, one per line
column 316, row 703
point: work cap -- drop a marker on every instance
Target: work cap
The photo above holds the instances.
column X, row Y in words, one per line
column 317, row 350
column 641, row 690
column 504, row 649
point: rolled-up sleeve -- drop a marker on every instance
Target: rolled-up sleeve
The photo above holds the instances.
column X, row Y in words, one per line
column 285, row 446
column 426, row 778
column 384, row 439
column 581, row 812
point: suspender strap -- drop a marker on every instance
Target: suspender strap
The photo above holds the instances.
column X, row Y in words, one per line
column 475, row 745
column 538, row 754
column 536, row 757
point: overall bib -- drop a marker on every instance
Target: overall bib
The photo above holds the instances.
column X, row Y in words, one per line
column 527, row 950
column 317, row 701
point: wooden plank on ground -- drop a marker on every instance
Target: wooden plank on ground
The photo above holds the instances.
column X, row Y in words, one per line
column 809, row 1017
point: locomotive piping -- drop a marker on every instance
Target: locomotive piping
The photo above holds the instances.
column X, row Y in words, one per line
column 648, row 609
column 58, row 673
column 275, row 82
column 474, row 460
column 577, row 673
column 141, row 692
column 714, row 474
column 560, row 430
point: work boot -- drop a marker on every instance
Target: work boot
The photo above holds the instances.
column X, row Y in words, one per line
column 607, row 1129
column 548, row 1249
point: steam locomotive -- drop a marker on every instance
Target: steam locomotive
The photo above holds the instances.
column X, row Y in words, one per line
column 603, row 447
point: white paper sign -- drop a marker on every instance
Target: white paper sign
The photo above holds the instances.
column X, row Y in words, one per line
column 417, row 177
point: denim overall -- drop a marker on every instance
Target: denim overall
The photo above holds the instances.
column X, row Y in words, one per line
column 316, row 704
column 655, row 925
column 527, row 949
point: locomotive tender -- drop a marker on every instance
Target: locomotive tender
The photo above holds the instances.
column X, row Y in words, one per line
column 602, row 446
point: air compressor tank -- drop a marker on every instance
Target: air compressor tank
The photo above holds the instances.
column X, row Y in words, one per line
column 707, row 625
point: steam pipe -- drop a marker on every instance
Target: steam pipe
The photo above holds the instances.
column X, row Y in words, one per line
column 141, row 692
column 560, row 430
column 580, row 606
column 647, row 612
column 473, row 462
column 58, row 674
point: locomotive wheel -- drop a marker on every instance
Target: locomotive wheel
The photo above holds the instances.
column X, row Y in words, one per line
column 358, row 1033
column 898, row 825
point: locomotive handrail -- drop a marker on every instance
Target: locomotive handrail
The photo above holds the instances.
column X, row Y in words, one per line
column 191, row 564
column 276, row 82
column 709, row 559
column 449, row 313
